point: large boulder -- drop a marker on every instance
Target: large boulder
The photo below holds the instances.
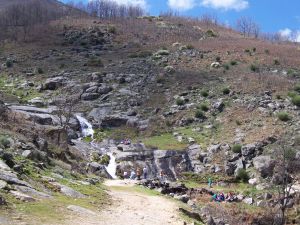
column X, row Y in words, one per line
column 265, row 165
column 104, row 90
column 90, row 96
column 54, row 83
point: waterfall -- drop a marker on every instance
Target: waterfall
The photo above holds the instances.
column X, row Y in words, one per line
column 112, row 166
column 86, row 127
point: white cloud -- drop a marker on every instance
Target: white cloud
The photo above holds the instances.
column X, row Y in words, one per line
column 181, row 4
column 216, row 4
column 290, row 35
column 286, row 33
column 226, row 4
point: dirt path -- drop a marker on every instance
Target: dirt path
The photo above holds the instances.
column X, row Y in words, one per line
column 132, row 207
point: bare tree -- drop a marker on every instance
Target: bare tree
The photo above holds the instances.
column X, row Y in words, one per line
column 287, row 173
column 209, row 20
column 248, row 27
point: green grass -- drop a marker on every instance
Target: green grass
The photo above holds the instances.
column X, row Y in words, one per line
column 164, row 142
column 9, row 87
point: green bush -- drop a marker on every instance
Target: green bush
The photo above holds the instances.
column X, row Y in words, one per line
column 254, row 68
column 9, row 63
column 199, row 114
column 296, row 100
column 292, row 94
column 95, row 62
column 204, row 93
column 190, row 47
column 112, row 29
column 237, row 148
column 233, row 62
column 226, row 66
column 242, row 175
column 40, row 70
column 204, row 107
column 180, row 101
column 226, row 91
column 4, row 142
column 211, row 33
column 105, row 160
column 297, row 88
column 283, row 116
column 276, row 62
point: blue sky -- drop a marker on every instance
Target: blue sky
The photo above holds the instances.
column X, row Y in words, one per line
column 271, row 15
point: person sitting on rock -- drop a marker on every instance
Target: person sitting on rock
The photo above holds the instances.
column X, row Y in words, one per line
column 132, row 175
column 145, row 172
column 138, row 173
column 162, row 176
column 215, row 197
column 125, row 175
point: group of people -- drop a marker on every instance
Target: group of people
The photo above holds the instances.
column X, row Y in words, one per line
column 126, row 141
column 220, row 197
column 136, row 174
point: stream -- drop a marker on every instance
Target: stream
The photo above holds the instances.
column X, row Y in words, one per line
column 87, row 131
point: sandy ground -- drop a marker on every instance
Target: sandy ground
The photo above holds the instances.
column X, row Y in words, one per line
column 130, row 207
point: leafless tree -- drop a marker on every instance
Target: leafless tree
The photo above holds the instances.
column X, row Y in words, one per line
column 209, row 20
column 248, row 27
column 287, row 170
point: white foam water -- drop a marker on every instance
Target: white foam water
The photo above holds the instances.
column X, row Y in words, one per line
column 86, row 127
column 112, row 166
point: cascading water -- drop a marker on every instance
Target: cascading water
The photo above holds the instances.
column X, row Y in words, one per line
column 87, row 131
column 86, row 127
column 112, row 166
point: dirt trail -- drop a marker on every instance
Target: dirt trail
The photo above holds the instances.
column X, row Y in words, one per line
column 131, row 207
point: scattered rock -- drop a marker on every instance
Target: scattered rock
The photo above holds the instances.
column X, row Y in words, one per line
column 80, row 210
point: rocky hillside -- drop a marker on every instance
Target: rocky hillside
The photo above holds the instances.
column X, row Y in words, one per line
column 196, row 100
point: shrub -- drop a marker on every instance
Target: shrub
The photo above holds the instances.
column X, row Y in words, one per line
column 226, row 66
column 296, row 100
column 297, row 88
column 292, row 94
column 211, row 33
column 254, row 49
column 199, row 114
column 254, row 68
column 8, row 63
column 4, row 142
column 96, row 62
column 267, row 51
column 180, row 101
column 283, row 116
column 218, row 58
column 237, row 148
column 226, row 91
column 247, row 50
column 105, row 160
column 169, row 69
column 201, row 56
column 233, row 62
column 276, row 62
column 204, row 107
column 112, row 29
column 204, row 93
column 190, row 47
column 40, row 70
column 242, row 175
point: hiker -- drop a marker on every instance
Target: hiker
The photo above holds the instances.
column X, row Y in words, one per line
column 209, row 182
column 132, row 175
column 125, row 175
column 215, row 197
column 138, row 173
column 145, row 172
column 230, row 197
column 162, row 176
